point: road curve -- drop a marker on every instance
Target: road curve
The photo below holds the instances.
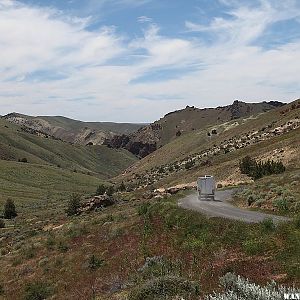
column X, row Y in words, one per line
column 221, row 207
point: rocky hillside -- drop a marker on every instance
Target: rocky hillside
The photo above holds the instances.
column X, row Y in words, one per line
column 217, row 149
column 73, row 131
column 151, row 137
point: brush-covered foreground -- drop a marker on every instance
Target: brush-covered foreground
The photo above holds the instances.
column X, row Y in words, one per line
column 276, row 193
column 138, row 247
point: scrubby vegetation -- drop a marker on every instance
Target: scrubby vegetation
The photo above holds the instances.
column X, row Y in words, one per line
column 37, row 291
column 239, row 288
column 277, row 193
column 2, row 223
column 9, row 209
column 135, row 248
column 73, row 205
column 101, row 189
column 108, row 189
column 258, row 169
column 164, row 287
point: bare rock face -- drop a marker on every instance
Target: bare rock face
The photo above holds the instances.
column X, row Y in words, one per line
column 141, row 143
column 97, row 202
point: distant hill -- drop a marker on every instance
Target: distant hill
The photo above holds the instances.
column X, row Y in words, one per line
column 16, row 144
column 151, row 137
column 70, row 130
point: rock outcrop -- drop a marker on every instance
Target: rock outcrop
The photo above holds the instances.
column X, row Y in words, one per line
column 97, row 202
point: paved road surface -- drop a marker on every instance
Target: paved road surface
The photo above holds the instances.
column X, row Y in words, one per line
column 221, row 207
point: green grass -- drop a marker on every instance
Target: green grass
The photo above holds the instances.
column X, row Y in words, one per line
column 33, row 183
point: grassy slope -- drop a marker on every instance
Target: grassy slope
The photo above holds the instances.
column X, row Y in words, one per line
column 55, row 169
column 99, row 160
column 33, row 184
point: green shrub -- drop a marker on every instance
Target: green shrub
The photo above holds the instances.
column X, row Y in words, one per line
column 297, row 221
column 101, row 189
column 29, row 252
column 260, row 202
column 237, row 288
column 143, row 209
column 73, row 205
column 122, row 187
column 110, row 190
column 250, row 199
column 10, row 209
column 166, row 287
column 256, row 170
column 189, row 164
column 1, row 290
column 94, row 262
column 278, row 190
column 50, row 242
column 247, row 164
column 37, row 291
column 62, row 246
column 281, row 204
column 252, row 246
column 2, row 223
column 268, row 224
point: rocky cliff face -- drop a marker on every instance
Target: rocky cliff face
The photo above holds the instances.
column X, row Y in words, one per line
column 141, row 143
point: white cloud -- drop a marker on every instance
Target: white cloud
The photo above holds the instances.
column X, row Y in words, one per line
column 144, row 19
column 52, row 64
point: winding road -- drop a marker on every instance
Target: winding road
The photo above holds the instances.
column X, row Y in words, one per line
column 222, row 207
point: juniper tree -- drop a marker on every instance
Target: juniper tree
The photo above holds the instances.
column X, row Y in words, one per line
column 9, row 209
column 73, row 205
column 101, row 189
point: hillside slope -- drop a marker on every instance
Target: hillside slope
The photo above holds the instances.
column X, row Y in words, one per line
column 149, row 138
column 35, row 185
column 69, row 130
column 15, row 144
column 274, row 135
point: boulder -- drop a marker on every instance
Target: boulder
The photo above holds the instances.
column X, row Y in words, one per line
column 97, row 202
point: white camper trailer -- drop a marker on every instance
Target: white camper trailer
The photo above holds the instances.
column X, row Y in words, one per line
column 206, row 187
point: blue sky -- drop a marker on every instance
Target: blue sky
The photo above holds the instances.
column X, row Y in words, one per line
column 136, row 60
